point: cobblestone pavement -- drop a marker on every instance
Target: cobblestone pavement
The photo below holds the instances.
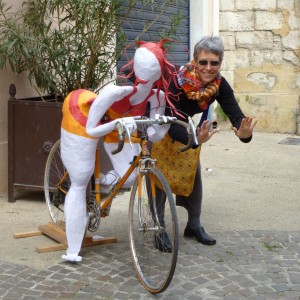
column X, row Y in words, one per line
column 243, row 265
column 251, row 206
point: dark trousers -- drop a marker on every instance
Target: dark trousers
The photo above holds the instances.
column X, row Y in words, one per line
column 193, row 202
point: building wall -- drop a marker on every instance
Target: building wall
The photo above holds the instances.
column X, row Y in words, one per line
column 24, row 89
column 261, row 62
column 262, row 59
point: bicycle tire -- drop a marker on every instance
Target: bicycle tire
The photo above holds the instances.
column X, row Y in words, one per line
column 54, row 174
column 155, row 268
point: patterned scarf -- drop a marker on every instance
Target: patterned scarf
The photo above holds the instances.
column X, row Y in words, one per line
column 189, row 80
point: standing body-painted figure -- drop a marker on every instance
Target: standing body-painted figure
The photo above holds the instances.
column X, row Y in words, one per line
column 82, row 126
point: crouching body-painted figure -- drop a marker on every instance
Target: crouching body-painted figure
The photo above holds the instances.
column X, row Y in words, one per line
column 83, row 124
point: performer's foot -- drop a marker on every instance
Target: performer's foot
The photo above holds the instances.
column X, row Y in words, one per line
column 200, row 235
column 71, row 257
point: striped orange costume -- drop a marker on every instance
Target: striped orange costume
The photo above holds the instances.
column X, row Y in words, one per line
column 77, row 105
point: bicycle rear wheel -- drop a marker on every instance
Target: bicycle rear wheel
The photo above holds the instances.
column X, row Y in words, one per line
column 56, row 184
column 152, row 214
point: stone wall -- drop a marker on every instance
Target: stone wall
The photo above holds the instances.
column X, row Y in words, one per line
column 262, row 60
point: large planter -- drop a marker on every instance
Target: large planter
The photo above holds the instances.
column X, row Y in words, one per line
column 33, row 127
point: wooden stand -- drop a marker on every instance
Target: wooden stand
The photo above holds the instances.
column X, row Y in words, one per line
column 57, row 233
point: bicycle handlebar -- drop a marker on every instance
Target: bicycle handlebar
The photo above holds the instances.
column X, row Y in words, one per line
column 160, row 120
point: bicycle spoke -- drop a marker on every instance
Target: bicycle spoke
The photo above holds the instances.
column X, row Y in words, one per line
column 56, row 184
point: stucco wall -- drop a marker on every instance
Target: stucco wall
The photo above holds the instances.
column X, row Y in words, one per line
column 262, row 59
column 261, row 62
column 23, row 90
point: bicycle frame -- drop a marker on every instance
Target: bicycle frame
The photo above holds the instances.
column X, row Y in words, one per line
column 118, row 186
column 153, row 228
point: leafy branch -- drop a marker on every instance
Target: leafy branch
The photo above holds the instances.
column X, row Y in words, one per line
column 70, row 44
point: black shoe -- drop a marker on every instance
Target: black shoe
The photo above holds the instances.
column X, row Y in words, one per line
column 162, row 242
column 201, row 236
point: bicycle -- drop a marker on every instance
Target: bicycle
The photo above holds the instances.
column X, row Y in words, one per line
column 149, row 217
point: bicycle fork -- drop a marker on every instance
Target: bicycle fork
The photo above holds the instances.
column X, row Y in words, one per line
column 151, row 191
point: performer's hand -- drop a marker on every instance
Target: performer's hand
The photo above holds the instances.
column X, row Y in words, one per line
column 246, row 128
column 130, row 123
column 204, row 133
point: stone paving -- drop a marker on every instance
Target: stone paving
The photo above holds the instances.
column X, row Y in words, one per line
column 243, row 265
column 251, row 207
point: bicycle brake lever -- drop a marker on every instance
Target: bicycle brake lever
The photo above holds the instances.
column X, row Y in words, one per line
column 121, row 133
column 128, row 134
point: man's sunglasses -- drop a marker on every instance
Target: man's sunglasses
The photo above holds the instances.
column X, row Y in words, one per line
column 213, row 63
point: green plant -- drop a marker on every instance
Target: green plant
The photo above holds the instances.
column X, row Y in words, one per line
column 68, row 44
column 220, row 113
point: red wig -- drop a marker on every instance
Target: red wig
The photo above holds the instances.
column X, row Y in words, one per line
column 168, row 70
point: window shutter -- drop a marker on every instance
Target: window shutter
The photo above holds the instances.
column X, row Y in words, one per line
column 178, row 53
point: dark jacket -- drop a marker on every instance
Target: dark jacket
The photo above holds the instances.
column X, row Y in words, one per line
column 225, row 98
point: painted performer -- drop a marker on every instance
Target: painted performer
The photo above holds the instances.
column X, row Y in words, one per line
column 83, row 125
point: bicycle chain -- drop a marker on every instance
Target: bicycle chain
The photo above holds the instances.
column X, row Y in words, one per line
column 94, row 213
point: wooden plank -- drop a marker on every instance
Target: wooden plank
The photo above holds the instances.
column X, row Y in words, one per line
column 27, row 234
column 55, row 232
column 89, row 241
column 61, row 224
column 51, row 248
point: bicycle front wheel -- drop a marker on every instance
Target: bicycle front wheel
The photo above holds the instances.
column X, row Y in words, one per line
column 56, row 184
column 153, row 231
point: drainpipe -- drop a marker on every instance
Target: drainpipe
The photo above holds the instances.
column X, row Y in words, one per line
column 204, row 20
column 215, row 13
column 206, row 17
column 213, row 29
column 298, row 118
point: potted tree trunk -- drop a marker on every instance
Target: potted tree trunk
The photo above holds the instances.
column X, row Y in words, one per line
column 62, row 45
